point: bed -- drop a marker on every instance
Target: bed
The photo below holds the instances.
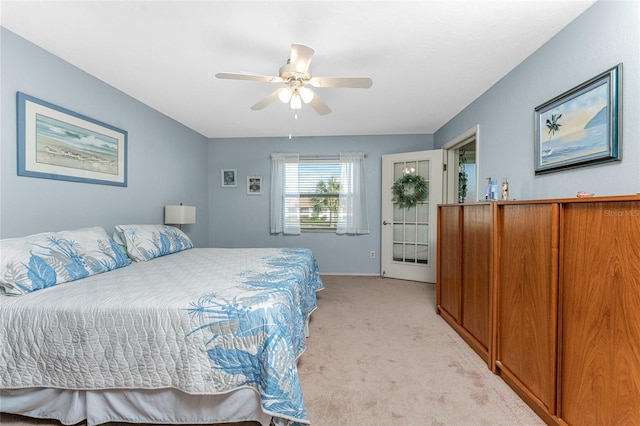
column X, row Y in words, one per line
column 141, row 327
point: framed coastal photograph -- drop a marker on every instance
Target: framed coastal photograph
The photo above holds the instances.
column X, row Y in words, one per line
column 254, row 185
column 582, row 126
column 228, row 178
column 56, row 143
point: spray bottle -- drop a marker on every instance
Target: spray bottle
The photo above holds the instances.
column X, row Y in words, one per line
column 494, row 190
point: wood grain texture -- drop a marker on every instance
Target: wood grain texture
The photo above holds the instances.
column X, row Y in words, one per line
column 476, row 271
column 564, row 301
column 600, row 314
column 527, row 282
column 448, row 283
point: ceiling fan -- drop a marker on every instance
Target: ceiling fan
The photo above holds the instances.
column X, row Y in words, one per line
column 296, row 77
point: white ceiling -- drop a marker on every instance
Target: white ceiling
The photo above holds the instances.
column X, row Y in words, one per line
column 428, row 59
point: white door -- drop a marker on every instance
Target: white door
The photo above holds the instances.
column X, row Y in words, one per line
column 409, row 238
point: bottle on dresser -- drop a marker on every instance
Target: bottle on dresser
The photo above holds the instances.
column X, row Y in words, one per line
column 504, row 194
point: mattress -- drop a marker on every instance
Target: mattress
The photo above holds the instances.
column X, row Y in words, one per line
column 201, row 321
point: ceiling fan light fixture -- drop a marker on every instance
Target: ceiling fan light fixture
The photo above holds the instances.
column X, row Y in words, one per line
column 296, row 101
column 306, row 94
column 284, row 94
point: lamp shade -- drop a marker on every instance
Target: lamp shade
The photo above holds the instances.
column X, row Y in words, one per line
column 284, row 94
column 295, row 102
column 179, row 215
column 306, row 94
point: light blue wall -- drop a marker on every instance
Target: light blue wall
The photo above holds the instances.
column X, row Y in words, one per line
column 167, row 161
column 599, row 39
column 241, row 220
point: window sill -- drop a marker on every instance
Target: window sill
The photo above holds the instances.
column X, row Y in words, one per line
column 318, row 230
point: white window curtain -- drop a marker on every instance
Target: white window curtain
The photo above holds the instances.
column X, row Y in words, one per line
column 353, row 217
column 285, row 199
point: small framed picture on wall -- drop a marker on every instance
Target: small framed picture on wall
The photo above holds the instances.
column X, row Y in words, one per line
column 254, row 185
column 228, row 178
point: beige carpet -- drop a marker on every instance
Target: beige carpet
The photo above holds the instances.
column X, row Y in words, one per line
column 379, row 355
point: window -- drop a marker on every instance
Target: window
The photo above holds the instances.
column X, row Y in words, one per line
column 319, row 192
column 314, row 195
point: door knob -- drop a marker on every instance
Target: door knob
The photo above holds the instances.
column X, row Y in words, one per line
column 384, row 222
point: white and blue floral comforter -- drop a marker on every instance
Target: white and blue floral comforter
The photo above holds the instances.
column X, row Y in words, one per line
column 205, row 321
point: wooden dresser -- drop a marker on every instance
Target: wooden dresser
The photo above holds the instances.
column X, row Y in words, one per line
column 548, row 293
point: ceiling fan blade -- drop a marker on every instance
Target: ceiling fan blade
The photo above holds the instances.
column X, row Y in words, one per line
column 267, row 100
column 352, row 82
column 301, row 56
column 248, row 76
column 319, row 106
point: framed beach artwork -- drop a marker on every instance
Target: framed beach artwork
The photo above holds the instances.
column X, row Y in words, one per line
column 228, row 178
column 580, row 127
column 56, row 143
column 254, row 185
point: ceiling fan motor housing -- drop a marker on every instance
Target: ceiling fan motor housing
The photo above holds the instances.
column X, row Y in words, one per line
column 288, row 74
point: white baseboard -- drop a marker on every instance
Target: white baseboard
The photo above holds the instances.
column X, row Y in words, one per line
column 349, row 274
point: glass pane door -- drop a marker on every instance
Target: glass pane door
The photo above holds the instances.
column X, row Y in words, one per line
column 411, row 224
column 408, row 234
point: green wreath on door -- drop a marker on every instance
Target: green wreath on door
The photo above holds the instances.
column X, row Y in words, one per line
column 410, row 190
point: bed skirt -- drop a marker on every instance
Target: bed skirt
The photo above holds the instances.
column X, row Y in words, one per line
column 167, row 406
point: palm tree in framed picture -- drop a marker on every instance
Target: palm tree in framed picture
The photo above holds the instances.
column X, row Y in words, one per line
column 553, row 127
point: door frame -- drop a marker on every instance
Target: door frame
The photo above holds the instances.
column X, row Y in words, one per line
column 451, row 163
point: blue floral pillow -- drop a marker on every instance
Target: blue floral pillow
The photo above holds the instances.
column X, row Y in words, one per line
column 44, row 260
column 145, row 242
